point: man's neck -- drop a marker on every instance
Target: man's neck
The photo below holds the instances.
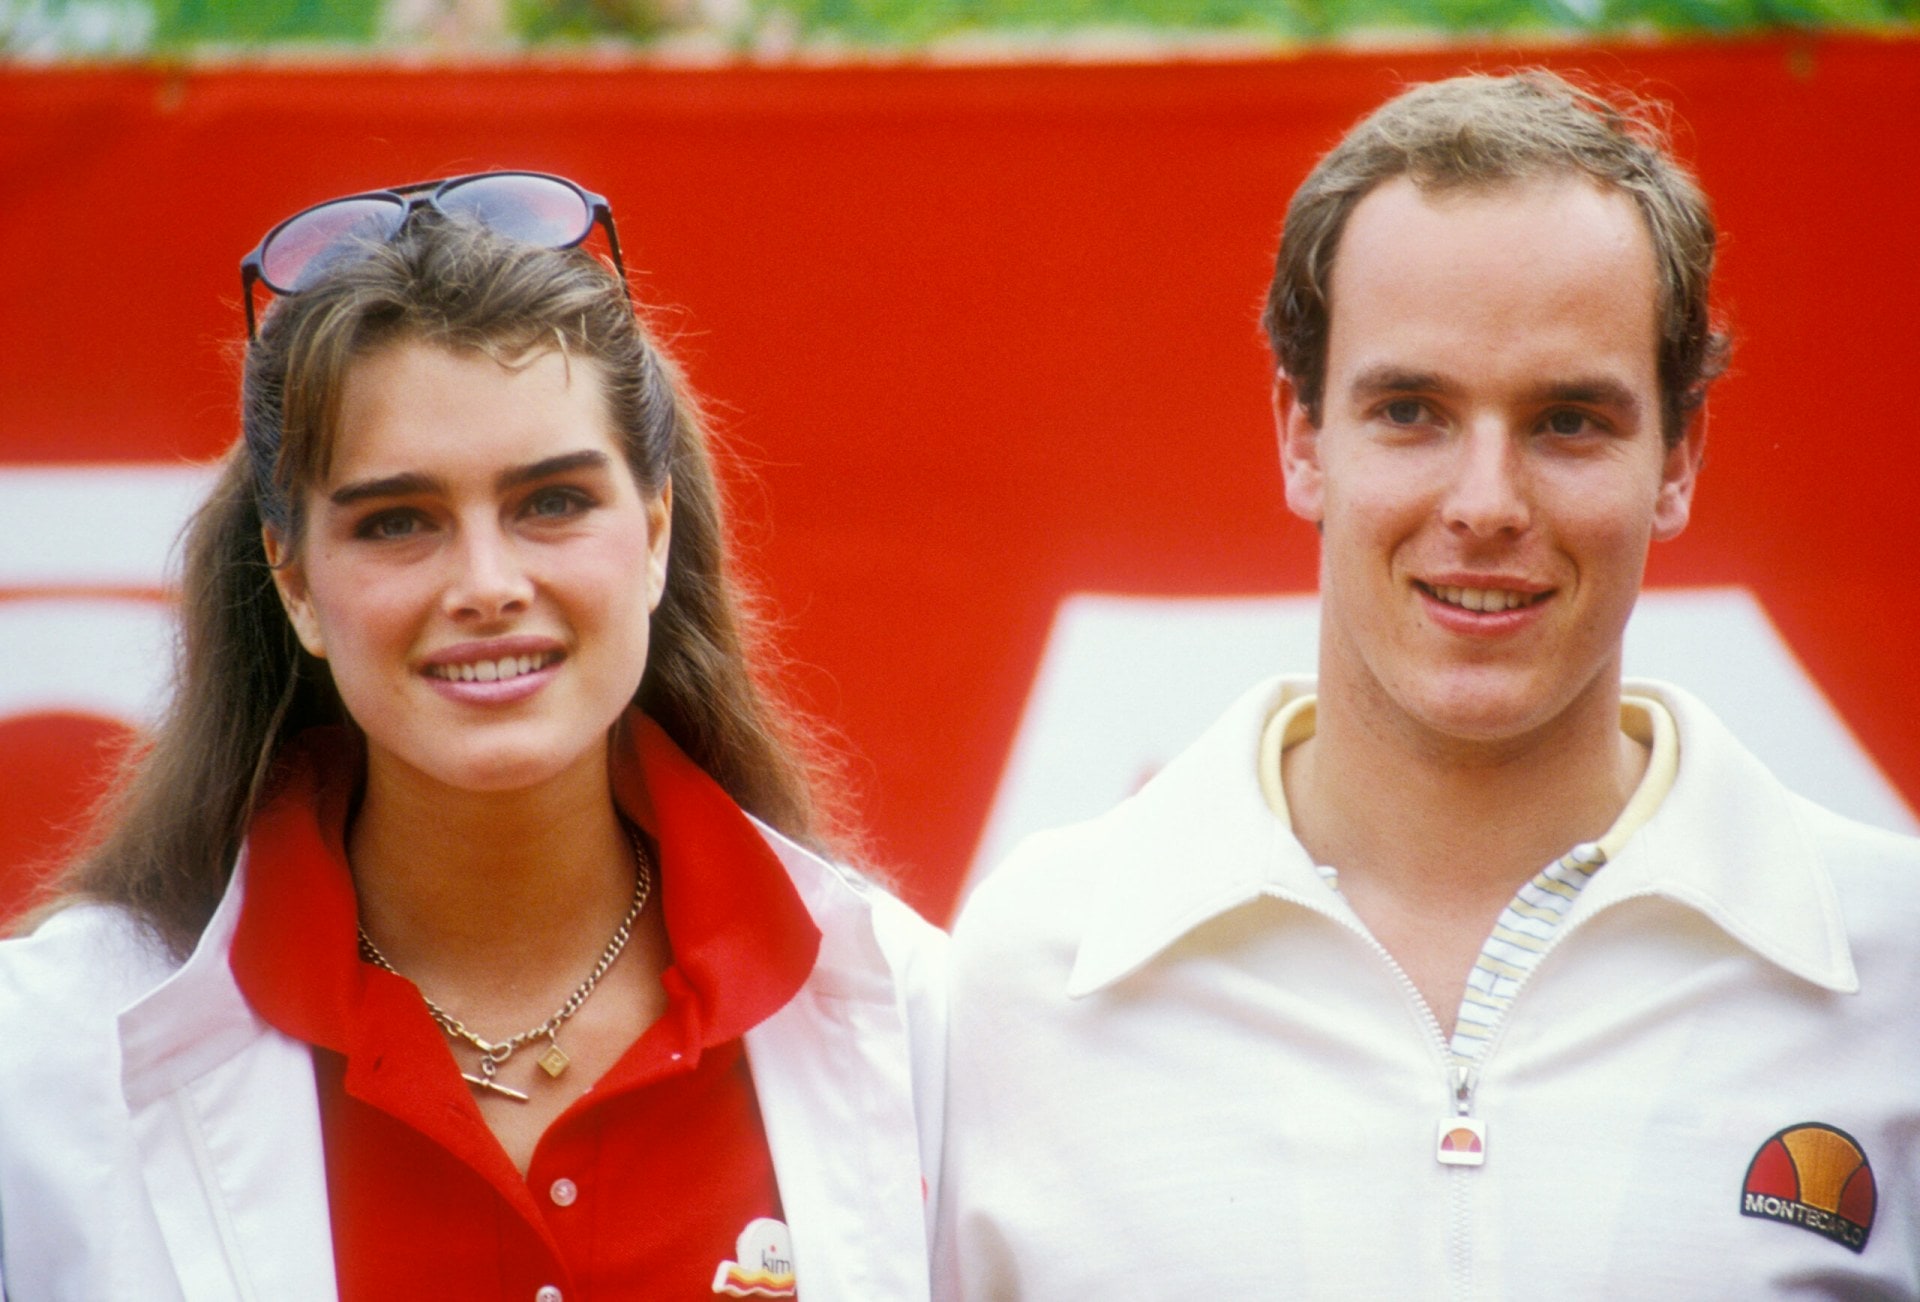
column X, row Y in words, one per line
column 1431, row 841
column 1464, row 819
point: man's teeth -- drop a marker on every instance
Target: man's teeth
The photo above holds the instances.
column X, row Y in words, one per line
column 1483, row 599
column 491, row 671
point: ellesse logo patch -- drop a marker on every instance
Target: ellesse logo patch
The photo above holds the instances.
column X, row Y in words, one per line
column 1816, row 1177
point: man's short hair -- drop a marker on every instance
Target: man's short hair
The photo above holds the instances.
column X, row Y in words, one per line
column 1483, row 131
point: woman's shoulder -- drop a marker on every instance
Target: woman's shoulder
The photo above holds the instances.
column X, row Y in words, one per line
column 825, row 882
column 84, row 960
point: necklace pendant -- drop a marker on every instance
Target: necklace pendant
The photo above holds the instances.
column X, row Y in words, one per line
column 488, row 1083
column 554, row 1060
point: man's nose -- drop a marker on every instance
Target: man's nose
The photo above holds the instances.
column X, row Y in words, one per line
column 1486, row 494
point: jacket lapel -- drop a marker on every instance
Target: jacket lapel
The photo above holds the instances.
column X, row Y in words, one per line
column 225, row 1116
column 831, row 1070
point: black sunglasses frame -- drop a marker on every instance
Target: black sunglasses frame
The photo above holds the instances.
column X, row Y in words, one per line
column 413, row 197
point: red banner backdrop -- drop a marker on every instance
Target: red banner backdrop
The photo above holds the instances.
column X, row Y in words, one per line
column 979, row 338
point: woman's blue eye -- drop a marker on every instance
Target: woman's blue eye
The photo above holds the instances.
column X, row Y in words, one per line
column 557, row 502
column 388, row 524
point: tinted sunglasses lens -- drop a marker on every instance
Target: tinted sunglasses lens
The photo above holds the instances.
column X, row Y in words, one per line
column 302, row 249
column 533, row 209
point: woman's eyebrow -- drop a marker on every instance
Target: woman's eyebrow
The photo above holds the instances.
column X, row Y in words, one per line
column 413, row 483
column 407, row 484
column 564, row 463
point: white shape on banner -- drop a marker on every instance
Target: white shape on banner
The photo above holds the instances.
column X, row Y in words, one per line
column 94, row 526
column 1125, row 683
column 111, row 658
column 78, row 544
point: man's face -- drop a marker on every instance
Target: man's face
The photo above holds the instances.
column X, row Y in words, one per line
column 1489, row 469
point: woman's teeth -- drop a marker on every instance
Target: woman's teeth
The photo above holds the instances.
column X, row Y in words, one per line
column 490, row 671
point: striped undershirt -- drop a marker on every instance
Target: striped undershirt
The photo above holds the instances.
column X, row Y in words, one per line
column 1527, row 924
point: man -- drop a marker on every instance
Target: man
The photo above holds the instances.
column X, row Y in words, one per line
column 1468, row 971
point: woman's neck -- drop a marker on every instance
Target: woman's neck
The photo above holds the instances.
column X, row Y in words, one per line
column 462, row 889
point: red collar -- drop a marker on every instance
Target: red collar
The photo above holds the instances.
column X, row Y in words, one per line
column 742, row 939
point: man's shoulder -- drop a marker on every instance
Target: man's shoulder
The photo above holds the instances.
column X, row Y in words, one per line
column 1719, row 775
column 1875, row 872
column 1199, row 799
column 1730, row 806
column 1034, row 902
column 1847, row 841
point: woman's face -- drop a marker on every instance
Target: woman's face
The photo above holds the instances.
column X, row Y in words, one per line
column 478, row 567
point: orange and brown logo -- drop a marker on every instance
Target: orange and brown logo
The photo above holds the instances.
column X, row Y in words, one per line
column 1816, row 1177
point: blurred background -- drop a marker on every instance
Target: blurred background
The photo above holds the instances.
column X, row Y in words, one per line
column 816, row 29
column 972, row 287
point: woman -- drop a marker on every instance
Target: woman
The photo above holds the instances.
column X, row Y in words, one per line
column 462, row 932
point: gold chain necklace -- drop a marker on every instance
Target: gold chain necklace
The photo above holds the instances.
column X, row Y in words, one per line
column 495, row 1053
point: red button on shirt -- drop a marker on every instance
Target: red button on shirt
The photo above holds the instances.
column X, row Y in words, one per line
column 643, row 1187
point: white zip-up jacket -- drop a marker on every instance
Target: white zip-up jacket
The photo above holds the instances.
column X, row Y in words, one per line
column 160, row 1143
column 1180, row 1066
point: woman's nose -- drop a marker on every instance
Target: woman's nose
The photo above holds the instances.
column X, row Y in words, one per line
column 488, row 580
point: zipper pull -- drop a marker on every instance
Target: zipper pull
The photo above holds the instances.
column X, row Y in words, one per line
column 1463, row 1137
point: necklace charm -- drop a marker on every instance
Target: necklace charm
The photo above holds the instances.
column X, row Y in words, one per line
column 489, row 1083
column 554, row 1061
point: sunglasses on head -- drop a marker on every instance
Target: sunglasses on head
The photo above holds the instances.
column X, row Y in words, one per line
column 547, row 211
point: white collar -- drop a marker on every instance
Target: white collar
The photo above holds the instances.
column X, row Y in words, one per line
column 1199, row 840
column 1194, row 842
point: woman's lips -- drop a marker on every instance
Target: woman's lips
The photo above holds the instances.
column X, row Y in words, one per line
column 494, row 674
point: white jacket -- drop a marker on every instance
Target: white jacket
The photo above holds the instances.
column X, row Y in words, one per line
column 1181, row 1067
column 160, row 1143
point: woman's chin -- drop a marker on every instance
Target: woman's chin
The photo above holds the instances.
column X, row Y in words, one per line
column 497, row 766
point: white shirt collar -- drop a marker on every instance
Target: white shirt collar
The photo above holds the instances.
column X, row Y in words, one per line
column 1199, row 840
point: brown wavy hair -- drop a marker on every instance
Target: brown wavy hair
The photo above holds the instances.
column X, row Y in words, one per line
column 1483, row 131
column 168, row 833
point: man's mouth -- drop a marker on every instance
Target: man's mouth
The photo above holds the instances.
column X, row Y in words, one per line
column 493, row 671
column 1485, row 600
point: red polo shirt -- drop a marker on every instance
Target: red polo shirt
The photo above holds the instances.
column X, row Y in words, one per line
column 646, row 1186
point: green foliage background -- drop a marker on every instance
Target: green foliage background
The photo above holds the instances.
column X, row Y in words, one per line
column 56, row 29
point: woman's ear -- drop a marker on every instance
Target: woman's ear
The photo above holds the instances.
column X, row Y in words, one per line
column 290, row 581
column 659, row 542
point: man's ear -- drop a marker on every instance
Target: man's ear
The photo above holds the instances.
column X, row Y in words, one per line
column 659, row 544
column 1679, row 472
column 1299, row 451
column 290, row 581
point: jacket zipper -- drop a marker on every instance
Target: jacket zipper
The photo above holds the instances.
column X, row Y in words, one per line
column 1461, row 1077
column 1458, row 1079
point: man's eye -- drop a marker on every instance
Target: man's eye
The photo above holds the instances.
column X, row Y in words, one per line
column 1568, row 422
column 1405, row 411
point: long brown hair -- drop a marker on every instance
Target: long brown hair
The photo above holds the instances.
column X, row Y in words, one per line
column 168, row 833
